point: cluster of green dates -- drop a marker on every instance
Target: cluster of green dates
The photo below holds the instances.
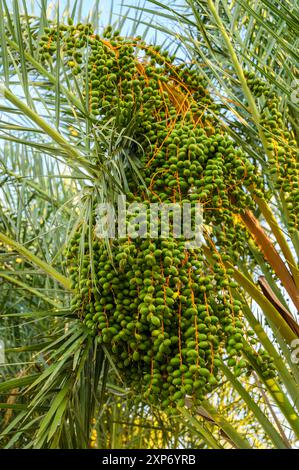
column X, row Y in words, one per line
column 168, row 317
column 283, row 153
column 165, row 316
